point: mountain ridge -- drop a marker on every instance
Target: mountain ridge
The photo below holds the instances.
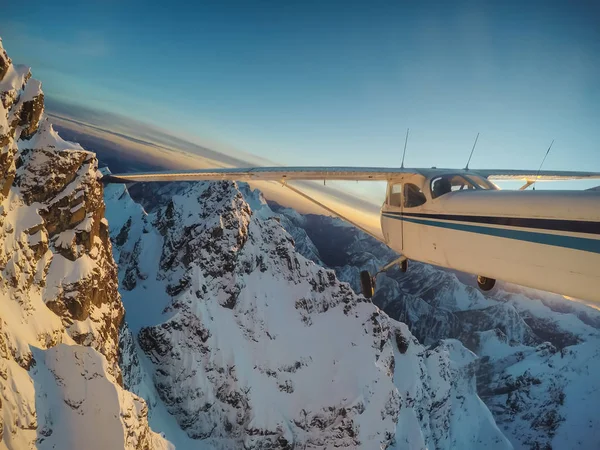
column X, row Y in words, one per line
column 366, row 385
column 60, row 310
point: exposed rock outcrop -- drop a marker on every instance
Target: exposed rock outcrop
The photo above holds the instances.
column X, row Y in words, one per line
column 60, row 310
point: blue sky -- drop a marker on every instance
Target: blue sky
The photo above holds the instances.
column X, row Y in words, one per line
column 333, row 83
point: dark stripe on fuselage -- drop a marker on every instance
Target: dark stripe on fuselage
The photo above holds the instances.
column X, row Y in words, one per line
column 556, row 240
column 573, row 226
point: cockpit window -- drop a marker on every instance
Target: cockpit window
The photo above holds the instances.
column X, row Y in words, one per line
column 481, row 182
column 413, row 196
column 396, row 195
column 449, row 183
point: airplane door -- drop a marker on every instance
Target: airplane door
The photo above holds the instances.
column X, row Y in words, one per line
column 391, row 217
column 413, row 201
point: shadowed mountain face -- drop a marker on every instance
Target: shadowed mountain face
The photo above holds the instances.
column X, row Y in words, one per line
column 538, row 352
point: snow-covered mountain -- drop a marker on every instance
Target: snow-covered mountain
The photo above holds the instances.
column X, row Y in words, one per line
column 248, row 344
column 538, row 353
column 60, row 310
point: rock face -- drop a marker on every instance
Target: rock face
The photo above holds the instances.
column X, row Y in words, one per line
column 538, row 353
column 60, row 310
column 248, row 344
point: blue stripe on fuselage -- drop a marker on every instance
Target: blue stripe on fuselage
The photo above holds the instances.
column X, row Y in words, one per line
column 575, row 243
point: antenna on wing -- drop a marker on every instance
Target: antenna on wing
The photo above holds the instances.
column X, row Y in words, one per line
column 543, row 160
column 472, row 150
column 405, row 143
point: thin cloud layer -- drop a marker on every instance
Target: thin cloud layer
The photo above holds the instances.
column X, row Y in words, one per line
column 128, row 145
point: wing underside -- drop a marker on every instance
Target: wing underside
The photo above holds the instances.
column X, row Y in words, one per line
column 264, row 174
column 532, row 175
column 336, row 173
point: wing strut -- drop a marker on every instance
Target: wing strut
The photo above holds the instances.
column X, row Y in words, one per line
column 526, row 185
column 335, row 213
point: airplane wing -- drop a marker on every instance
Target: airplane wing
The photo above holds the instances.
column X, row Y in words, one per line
column 532, row 175
column 334, row 173
column 264, row 174
column 270, row 174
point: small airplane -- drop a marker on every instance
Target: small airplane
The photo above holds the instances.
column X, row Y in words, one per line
column 460, row 220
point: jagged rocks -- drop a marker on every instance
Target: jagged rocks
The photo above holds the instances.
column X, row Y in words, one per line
column 5, row 63
column 61, row 240
column 58, row 288
column 30, row 114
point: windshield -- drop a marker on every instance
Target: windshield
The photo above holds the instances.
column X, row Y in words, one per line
column 450, row 183
column 481, row 182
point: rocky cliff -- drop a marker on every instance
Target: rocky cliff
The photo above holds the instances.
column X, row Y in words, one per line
column 60, row 310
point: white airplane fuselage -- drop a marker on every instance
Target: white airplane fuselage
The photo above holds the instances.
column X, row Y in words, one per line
column 548, row 240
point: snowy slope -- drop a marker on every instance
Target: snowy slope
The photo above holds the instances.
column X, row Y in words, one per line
column 537, row 368
column 247, row 343
column 60, row 310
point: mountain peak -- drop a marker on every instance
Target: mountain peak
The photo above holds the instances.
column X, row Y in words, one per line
column 267, row 348
column 60, row 310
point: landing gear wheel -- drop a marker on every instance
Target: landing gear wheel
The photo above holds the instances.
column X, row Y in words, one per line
column 367, row 284
column 404, row 266
column 485, row 284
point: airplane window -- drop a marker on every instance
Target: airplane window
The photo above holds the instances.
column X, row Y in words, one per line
column 481, row 182
column 413, row 196
column 396, row 195
column 450, row 183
